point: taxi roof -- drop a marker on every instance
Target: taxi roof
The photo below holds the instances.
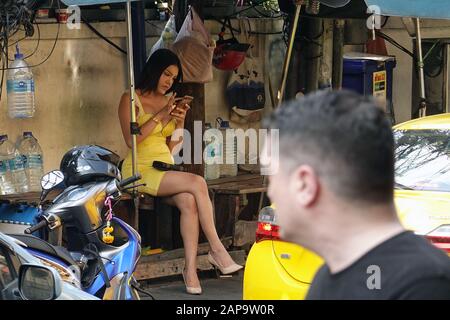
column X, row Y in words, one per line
column 439, row 121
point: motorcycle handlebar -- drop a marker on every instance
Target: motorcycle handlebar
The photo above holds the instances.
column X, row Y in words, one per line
column 36, row 227
column 130, row 180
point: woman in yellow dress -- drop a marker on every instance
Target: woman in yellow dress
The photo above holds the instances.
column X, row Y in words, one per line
column 158, row 117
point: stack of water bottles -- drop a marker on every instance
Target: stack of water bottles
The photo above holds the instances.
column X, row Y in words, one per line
column 21, row 165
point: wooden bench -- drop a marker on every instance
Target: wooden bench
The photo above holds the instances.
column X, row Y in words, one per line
column 236, row 201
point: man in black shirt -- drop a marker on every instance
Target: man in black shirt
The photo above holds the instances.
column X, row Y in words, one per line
column 333, row 193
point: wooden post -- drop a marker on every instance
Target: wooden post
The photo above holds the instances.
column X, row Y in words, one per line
column 338, row 52
column 197, row 113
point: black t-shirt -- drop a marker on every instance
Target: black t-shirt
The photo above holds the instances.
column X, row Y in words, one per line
column 406, row 266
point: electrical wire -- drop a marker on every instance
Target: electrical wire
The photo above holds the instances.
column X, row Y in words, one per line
column 37, row 44
column 49, row 55
column 35, row 49
column 301, row 38
column 434, row 61
column 139, row 289
column 102, row 36
column 15, row 16
column 254, row 6
column 154, row 25
column 258, row 3
column 394, row 43
column 385, row 22
column 17, row 41
column 250, row 32
column 264, row 14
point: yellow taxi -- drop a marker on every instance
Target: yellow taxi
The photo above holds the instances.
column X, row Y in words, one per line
column 276, row 269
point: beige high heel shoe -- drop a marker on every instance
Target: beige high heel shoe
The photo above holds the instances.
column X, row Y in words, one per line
column 191, row 290
column 224, row 270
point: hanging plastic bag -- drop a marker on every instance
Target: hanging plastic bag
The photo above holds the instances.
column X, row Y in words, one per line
column 167, row 37
column 195, row 49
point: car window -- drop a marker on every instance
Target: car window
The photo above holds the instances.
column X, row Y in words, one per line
column 422, row 159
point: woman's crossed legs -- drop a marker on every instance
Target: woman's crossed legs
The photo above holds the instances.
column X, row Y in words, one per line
column 189, row 193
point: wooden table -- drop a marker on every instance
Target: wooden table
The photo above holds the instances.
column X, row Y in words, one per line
column 236, row 202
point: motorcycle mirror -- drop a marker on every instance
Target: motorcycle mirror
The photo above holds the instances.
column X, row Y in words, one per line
column 51, row 179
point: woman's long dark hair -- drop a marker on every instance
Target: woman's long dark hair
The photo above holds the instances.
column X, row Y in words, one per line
column 159, row 61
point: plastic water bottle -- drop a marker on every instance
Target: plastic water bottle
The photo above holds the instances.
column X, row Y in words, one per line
column 228, row 169
column 20, row 88
column 212, row 154
column 6, row 154
column 17, row 167
column 33, row 160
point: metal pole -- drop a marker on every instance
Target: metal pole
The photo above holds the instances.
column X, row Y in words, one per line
column 423, row 105
column 287, row 58
column 132, row 110
column 138, row 29
column 287, row 61
column 131, row 82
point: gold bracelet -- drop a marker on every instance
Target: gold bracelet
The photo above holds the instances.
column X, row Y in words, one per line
column 156, row 120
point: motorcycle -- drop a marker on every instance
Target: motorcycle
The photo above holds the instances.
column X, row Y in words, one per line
column 100, row 251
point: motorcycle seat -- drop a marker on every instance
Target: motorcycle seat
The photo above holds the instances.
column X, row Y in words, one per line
column 41, row 245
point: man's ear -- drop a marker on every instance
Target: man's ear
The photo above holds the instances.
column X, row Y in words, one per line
column 305, row 185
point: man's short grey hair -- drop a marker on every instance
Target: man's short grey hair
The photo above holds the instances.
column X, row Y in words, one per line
column 345, row 137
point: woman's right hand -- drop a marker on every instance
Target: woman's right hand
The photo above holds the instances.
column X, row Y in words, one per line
column 164, row 114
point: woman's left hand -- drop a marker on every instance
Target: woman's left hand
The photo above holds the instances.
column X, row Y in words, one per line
column 179, row 113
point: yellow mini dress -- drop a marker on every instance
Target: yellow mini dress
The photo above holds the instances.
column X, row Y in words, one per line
column 152, row 148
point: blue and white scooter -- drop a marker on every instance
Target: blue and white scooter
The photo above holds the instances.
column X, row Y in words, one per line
column 100, row 252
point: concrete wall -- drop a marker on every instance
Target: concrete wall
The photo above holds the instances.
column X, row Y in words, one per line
column 77, row 91
column 78, row 88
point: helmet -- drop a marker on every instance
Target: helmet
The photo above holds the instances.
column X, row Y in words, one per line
column 229, row 54
column 89, row 163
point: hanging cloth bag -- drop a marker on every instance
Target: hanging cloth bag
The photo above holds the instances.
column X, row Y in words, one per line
column 195, row 49
column 245, row 92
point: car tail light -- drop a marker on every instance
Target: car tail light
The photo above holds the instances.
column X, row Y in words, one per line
column 267, row 228
column 440, row 237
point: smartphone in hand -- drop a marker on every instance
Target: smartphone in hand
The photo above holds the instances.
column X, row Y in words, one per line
column 182, row 102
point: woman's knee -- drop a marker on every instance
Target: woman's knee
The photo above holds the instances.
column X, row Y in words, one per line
column 200, row 184
column 186, row 203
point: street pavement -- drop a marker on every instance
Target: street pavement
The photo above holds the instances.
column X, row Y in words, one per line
column 223, row 288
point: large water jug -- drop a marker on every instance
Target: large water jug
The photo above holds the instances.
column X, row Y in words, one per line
column 33, row 160
column 212, row 154
column 17, row 167
column 229, row 168
column 6, row 155
column 20, row 88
